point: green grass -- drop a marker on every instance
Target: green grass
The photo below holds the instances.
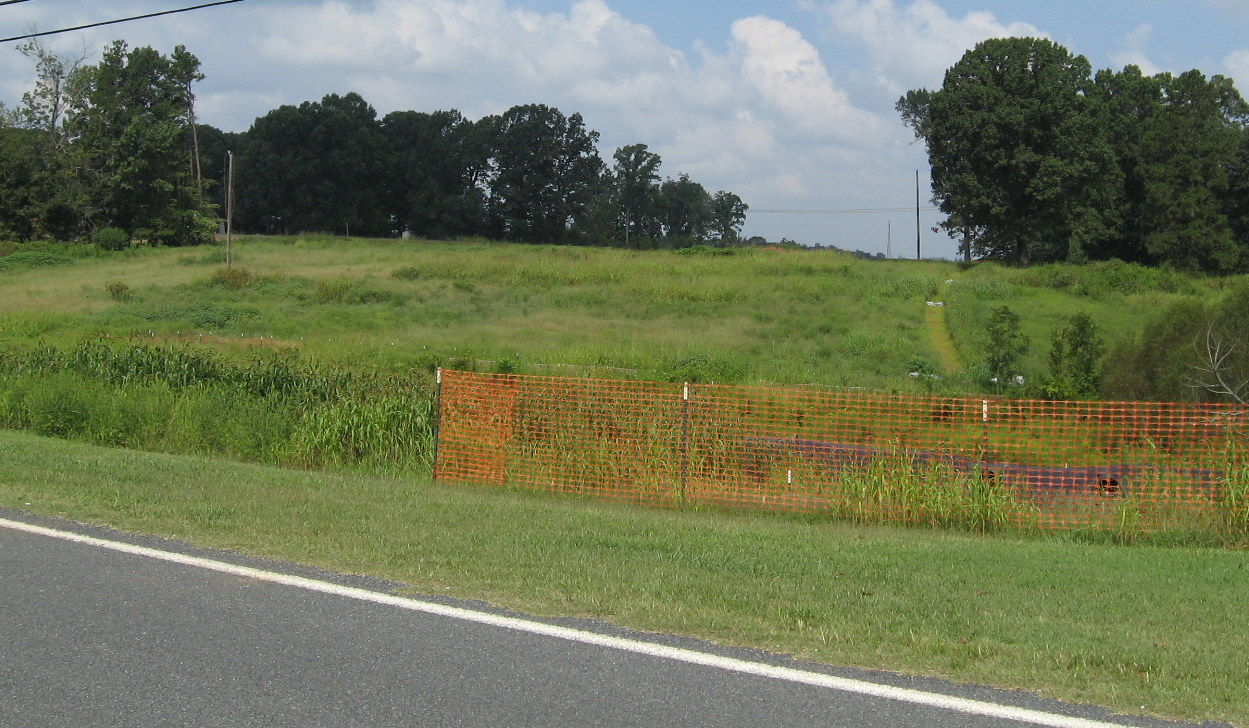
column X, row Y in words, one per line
column 757, row 315
column 1134, row 628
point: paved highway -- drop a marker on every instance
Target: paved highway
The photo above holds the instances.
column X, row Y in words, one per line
column 125, row 631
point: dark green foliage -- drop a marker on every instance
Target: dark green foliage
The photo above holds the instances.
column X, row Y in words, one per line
column 1017, row 156
column 1034, row 161
column 112, row 238
column 291, row 155
column 435, row 167
column 185, row 399
column 1188, row 352
column 117, row 145
column 33, row 259
column 1075, row 360
column 130, row 121
column 635, row 191
column 1005, row 346
column 1156, row 364
column 544, row 174
column 1187, row 148
column 728, row 214
column 685, row 210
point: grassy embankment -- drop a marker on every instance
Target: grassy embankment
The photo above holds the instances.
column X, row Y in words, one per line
column 1136, row 628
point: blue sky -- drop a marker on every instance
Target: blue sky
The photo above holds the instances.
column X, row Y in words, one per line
column 789, row 104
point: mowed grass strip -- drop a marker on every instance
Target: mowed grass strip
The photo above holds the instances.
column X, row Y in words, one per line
column 1144, row 630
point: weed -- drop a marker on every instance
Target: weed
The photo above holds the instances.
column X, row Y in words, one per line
column 119, row 292
column 234, row 279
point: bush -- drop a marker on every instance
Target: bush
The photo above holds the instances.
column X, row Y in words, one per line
column 1006, row 344
column 1075, row 360
column 235, row 279
column 119, row 292
column 33, row 259
column 111, row 238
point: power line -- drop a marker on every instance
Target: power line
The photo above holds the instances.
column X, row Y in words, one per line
column 13, row 2
column 113, row 22
column 843, row 210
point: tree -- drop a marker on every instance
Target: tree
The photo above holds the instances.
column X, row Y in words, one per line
column 314, row 167
column 1188, row 147
column 130, row 123
column 52, row 195
column 1075, row 359
column 545, row 171
column 685, row 211
column 635, row 186
column 1125, row 102
column 1017, row 156
column 1006, row 344
column 728, row 214
column 436, row 164
column 19, row 186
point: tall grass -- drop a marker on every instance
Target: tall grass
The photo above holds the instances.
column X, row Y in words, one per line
column 271, row 408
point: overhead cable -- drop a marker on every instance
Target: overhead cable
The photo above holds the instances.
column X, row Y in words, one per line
column 113, row 22
column 844, row 210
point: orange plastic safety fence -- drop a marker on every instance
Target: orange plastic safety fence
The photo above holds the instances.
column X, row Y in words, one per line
column 1127, row 467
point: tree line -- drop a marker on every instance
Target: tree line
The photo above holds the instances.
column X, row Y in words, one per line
column 116, row 145
column 1037, row 159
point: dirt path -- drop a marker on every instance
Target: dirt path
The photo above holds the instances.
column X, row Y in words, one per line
column 939, row 332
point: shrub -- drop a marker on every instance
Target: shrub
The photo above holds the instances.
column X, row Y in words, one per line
column 119, row 292
column 111, row 238
column 1075, row 360
column 33, row 259
column 406, row 273
column 1006, row 345
column 235, row 279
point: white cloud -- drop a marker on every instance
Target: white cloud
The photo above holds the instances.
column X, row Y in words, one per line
column 786, row 73
column 734, row 117
column 1134, row 52
column 913, row 45
column 1237, row 66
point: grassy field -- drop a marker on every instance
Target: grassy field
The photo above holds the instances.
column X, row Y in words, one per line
column 317, row 352
column 760, row 315
column 1143, row 630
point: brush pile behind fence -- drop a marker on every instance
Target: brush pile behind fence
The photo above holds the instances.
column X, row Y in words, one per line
column 982, row 464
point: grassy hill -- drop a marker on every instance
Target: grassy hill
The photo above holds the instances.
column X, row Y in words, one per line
column 753, row 315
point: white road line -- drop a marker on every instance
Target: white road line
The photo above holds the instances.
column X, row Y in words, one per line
column 862, row 687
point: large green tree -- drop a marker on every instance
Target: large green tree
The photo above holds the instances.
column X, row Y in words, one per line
column 436, row 165
column 131, row 123
column 634, row 185
column 728, row 214
column 1018, row 160
column 42, row 191
column 314, row 167
column 1188, row 149
column 685, row 209
column 545, row 171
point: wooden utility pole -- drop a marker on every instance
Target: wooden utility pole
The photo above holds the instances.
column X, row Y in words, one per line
column 229, row 209
column 917, row 257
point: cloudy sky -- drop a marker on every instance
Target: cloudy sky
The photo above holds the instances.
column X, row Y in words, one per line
column 787, row 103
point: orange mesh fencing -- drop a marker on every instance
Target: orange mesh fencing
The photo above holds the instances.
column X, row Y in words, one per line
column 983, row 464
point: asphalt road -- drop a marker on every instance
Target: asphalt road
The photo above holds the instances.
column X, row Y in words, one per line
column 91, row 636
